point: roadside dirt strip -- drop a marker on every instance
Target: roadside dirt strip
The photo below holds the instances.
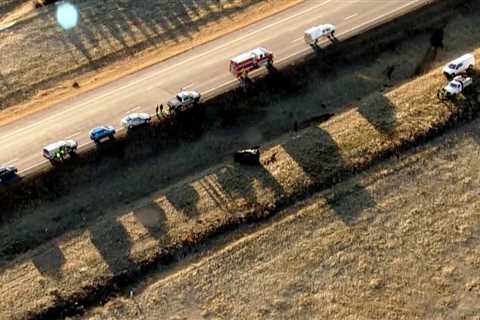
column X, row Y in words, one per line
column 82, row 267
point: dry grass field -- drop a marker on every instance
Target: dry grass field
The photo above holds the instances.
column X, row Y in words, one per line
column 409, row 249
column 78, row 247
column 82, row 265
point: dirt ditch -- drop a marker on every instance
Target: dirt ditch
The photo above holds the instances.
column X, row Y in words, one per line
column 192, row 211
column 157, row 158
column 63, row 189
column 190, row 214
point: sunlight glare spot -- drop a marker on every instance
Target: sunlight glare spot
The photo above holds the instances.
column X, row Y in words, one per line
column 67, row 15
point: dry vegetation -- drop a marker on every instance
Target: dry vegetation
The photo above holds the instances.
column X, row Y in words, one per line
column 113, row 38
column 80, row 265
column 85, row 245
column 410, row 249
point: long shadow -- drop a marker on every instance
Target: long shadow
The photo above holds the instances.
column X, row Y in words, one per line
column 153, row 218
column 114, row 246
column 380, row 113
column 242, row 181
column 184, row 200
column 49, row 263
column 350, row 204
column 4, row 82
column 317, row 154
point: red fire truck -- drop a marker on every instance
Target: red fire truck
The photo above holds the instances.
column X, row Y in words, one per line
column 248, row 61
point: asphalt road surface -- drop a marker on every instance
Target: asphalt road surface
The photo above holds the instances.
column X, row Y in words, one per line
column 204, row 69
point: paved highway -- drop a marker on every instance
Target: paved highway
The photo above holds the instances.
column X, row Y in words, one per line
column 204, row 69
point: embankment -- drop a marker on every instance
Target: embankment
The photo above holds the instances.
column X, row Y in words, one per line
column 83, row 267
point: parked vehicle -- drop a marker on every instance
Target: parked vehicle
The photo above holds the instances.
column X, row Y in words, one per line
column 456, row 86
column 184, row 100
column 135, row 119
column 314, row 34
column 465, row 63
column 241, row 65
column 59, row 150
column 7, row 173
column 101, row 132
column 248, row 156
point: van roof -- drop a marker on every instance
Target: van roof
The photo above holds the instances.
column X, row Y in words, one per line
column 55, row 145
column 318, row 28
column 463, row 58
column 247, row 55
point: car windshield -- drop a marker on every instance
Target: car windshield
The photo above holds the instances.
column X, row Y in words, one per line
column 452, row 66
column 454, row 85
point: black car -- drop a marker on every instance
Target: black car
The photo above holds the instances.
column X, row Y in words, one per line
column 248, row 156
column 7, row 173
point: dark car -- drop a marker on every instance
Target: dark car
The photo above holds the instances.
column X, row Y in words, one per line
column 7, row 173
column 248, row 156
column 98, row 133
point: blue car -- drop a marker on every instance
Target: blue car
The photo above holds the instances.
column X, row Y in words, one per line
column 98, row 133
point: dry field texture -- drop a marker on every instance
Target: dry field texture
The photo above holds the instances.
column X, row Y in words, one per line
column 81, row 266
column 77, row 243
column 40, row 60
column 400, row 241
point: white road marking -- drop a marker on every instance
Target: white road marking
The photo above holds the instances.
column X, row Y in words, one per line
column 296, row 40
column 38, row 164
column 132, row 110
column 187, row 86
column 12, row 161
column 350, row 17
column 155, row 74
column 73, row 135
column 84, row 145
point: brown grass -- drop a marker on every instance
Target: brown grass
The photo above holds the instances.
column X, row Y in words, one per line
column 409, row 251
column 84, row 265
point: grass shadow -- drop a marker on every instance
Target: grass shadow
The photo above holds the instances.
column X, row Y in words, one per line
column 114, row 246
column 380, row 112
column 318, row 156
column 50, row 262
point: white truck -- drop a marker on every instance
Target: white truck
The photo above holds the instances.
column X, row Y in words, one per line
column 184, row 100
column 465, row 63
column 59, row 150
column 456, row 86
column 313, row 34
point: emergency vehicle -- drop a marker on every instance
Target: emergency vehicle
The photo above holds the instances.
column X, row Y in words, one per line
column 59, row 150
column 241, row 65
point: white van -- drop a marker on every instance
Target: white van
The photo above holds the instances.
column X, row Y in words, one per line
column 459, row 65
column 313, row 34
column 58, row 150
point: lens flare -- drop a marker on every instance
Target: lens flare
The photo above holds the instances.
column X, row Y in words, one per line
column 67, row 15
